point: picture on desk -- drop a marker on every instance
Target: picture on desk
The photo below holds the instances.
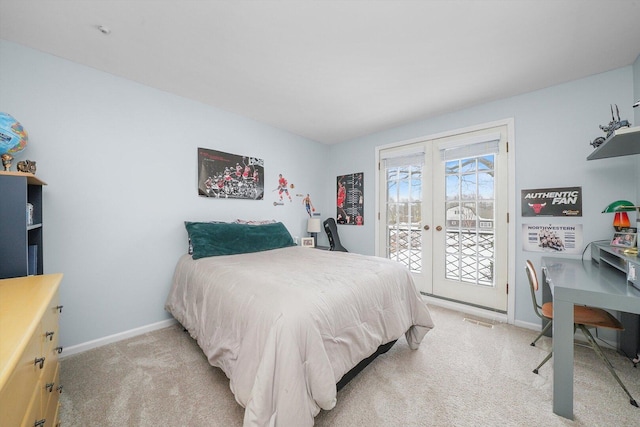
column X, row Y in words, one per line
column 307, row 242
column 624, row 240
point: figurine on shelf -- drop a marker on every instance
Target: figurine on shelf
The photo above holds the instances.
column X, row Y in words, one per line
column 6, row 161
column 614, row 124
column 28, row 166
column 610, row 128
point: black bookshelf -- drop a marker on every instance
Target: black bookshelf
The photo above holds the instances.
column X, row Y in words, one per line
column 20, row 233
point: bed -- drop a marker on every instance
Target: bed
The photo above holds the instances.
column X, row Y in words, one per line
column 288, row 324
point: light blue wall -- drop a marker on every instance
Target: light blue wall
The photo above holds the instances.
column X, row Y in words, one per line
column 120, row 160
column 553, row 128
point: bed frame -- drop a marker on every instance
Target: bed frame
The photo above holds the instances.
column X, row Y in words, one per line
column 363, row 364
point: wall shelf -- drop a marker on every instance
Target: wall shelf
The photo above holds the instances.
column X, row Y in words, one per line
column 622, row 142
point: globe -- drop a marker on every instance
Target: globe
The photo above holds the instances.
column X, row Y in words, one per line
column 13, row 137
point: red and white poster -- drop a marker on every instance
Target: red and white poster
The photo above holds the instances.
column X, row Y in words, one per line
column 350, row 199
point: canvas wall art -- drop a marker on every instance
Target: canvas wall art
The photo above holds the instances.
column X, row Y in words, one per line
column 229, row 176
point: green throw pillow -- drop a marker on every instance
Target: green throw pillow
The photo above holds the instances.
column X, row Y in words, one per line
column 214, row 239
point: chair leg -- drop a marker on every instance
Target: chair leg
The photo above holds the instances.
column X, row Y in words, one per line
column 546, row 359
column 603, row 357
column 544, row 331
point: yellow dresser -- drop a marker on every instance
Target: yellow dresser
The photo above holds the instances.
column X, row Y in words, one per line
column 29, row 349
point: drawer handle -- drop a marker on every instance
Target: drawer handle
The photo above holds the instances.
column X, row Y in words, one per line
column 59, row 389
column 49, row 335
column 40, row 361
column 39, row 422
column 49, row 387
column 58, row 349
column 59, row 308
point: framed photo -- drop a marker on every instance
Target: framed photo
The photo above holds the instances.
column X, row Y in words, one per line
column 624, row 240
column 307, row 242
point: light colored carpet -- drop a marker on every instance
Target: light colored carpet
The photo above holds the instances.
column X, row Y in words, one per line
column 464, row 374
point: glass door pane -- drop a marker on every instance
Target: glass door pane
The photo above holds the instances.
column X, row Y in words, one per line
column 403, row 214
column 469, row 203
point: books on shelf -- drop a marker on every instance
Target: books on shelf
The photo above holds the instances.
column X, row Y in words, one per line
column 29, row 214
column 32, row 260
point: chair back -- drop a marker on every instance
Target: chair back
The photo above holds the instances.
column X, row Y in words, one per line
column 332, row 233
column 533, row 286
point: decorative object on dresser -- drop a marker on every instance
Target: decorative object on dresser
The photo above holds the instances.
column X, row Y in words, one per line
column 13, row 137
column 29, row 350
column 6, row 161
column 18, row 190
column 28, row 166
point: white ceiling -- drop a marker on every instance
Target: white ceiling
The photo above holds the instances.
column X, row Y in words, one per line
column 335, row 70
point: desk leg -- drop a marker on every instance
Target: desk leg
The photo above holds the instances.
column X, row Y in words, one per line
column 563, row 358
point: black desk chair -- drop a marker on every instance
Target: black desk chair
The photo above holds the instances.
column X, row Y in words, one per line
column 584, row 317
column 332, row 233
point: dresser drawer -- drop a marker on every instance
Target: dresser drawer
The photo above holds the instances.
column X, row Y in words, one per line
column 28, row 353
column 43, row 405
column 51, row 398
column 18, row 392
column 49, row 325
column 34, row 410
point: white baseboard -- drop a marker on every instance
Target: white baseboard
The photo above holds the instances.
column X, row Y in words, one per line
column 79, row 348
column 528, row 325
column 577, row 337
column 467, row 309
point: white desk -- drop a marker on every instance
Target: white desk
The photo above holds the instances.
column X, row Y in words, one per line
column 579, row 282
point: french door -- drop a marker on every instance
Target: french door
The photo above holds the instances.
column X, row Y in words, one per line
column 443, row 213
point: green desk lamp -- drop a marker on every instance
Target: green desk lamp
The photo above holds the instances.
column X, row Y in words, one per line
column 620, row 208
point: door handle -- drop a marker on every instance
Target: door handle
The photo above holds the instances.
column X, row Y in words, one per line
column 439, row 228
column 426, row 227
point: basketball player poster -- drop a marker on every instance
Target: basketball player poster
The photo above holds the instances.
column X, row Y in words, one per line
column 350, row 199
column 229, row 176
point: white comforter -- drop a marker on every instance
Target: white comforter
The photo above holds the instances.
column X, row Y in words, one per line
column 286, row 324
